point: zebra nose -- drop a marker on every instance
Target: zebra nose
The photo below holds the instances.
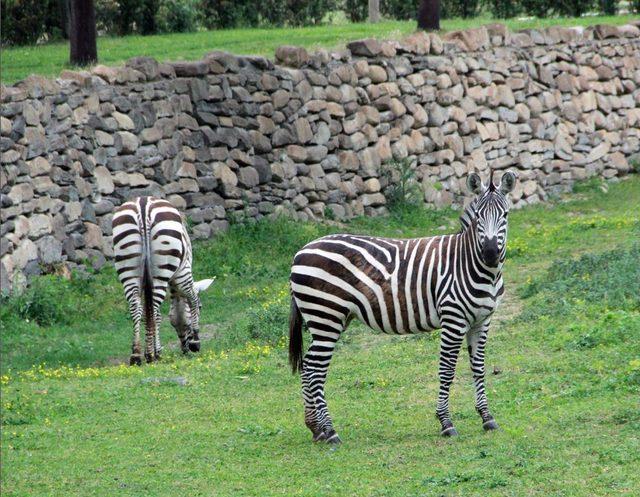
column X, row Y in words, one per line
column 490, row 252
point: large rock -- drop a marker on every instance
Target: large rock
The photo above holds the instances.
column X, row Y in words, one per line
column 126, row 142
column 369, row 47
column 291, row 56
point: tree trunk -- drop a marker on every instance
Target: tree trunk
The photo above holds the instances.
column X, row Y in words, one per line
column 82, row 32
column 429, row 15
column 374, row 11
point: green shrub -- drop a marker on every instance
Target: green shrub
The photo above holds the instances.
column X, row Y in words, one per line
column 176, row 16
column 573, row 8
column 403, row 190
column 247, row 13
column 356, row 10
column 504, row 9
column 537, row 8
column 608, row 7
column 25, row 22
column 269, row 322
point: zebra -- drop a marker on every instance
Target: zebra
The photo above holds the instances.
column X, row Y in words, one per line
column 152, row 254
column 400, row 286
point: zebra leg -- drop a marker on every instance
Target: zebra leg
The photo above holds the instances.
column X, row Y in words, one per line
column 314, row 375
column 450, row 343
column 157, row 345
column 152, row 338
column 193, row 340
column 476, row 341
column 135, row 309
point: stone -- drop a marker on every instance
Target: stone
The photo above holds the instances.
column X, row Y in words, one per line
column 39, row 225
column 248, row 177
column 373, row 199
column 25, row 252
column 377, row 74
column 291, row 56
column 190, row 69
column 224, row 174
column 93, row 236
column 104, row 139
column 123, row 120
column 369, row 47
column 303, row 130
column 296, row 153
column 39, row 166
column 104, row 182
column 126, row 142
column 603, row 31
column 49, row 250
column 372, row 185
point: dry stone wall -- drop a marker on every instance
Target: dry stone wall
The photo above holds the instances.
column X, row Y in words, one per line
column 310, row 137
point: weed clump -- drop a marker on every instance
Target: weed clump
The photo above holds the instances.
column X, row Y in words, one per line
column 608, row 280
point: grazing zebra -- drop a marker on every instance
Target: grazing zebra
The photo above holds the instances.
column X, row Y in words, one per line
column 153, row 253
column 453, row 282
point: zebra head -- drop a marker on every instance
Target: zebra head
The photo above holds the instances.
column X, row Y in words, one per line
column 487, row 214
column 180, row 312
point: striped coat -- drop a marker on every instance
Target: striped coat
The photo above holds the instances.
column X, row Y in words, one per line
column 153, row 255
column 453, row 282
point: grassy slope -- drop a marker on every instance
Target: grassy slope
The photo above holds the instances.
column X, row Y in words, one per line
column 51, row 59
column 570, row 415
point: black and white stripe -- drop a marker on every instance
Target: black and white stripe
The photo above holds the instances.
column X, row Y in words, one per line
column 153, row 253
column 453, row 282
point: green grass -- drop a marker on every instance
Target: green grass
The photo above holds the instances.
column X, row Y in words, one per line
column 566, row 345
column 51, row 59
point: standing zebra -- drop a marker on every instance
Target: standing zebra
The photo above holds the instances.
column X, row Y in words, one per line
column 153, row 252
column 453, row 282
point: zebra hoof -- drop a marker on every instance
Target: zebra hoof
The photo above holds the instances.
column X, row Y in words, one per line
column 135, row 360
column 194, row 346
column 490, row 425
column 149, row 358
column 449, row 431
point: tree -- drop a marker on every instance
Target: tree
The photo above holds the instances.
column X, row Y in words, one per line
column 82, row 32
column 429, row 15
column 374, row 11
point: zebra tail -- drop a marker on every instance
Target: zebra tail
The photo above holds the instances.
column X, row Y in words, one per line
column 147, row 277
column 295, row 338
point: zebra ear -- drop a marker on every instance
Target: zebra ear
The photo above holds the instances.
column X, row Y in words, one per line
column 202, row 285
column 474, row 183
column 507, row 182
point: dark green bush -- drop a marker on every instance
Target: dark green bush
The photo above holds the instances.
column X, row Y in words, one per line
column 504, row 9
column 356, row 10
column 176, row 16
column 574, row 8
column 247, row 13
column 27, row 21
column 537, row 8
column 608, row 7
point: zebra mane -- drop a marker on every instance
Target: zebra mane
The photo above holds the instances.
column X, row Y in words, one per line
column 491, row 186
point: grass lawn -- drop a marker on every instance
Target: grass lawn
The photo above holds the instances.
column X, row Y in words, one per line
column 563, row 361
column 51, row 59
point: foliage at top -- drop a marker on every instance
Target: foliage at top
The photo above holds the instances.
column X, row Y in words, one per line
column 29, row 21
